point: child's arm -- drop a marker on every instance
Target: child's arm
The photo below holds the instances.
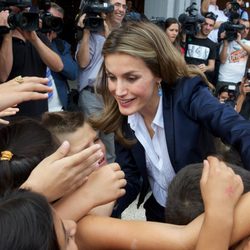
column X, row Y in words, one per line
column 221, row 189
column 94, row 232
column 104, row 185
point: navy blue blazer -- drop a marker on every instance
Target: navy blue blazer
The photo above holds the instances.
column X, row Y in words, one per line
column 191, row 116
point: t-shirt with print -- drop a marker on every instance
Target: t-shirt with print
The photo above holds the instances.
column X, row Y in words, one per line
column 199, row 51
column 234, row 68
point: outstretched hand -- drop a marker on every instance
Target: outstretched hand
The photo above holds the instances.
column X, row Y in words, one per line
column 60, row 174
column 31, row 88
column 104, row 185
column 7, row 112
column 220, row 186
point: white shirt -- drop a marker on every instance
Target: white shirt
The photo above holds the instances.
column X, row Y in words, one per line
column 54, row 103
column 213, row 35
column 234, row 68
column 159, row 168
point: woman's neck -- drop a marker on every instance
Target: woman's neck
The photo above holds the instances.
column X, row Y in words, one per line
column 149, row 112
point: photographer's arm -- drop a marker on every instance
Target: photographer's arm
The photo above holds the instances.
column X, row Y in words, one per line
column 223, row 53
column 82, row 55
column 6, row 57
column 204, row 6
column 244, row 89
column 6, row 54
column 244, row 46
column 48, row 56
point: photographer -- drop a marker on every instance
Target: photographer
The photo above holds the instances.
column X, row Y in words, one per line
column 229, row 94
column 210, row 6
column 233, row 54
column 236, row 6
column 89, row 58
column 200, row 50
column 63, row 49
column 27, row 53
column 243, row 100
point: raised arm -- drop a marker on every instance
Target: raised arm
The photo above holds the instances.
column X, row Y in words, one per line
column 22, row 89
column 6, row 53
column 83, row 52
column 221, row 189
column 96, row 232
column 48, row 56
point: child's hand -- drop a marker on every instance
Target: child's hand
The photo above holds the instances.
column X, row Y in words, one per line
column 106, row 184
column 221, row 188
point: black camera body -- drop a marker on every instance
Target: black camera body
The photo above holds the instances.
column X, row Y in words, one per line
column 190, row 22
column 93, row 10
column 235, row 6
column 232, row 30
column 159, row 21
column 49, row 22
column 23, row 20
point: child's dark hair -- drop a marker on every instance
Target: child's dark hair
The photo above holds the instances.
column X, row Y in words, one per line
column 27, row 142
column 184, row 201
column 26, row 222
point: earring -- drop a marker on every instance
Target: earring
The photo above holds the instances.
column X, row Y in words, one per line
column 159, row 90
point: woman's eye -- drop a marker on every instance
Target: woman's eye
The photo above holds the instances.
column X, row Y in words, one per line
column 112, row 78
column 132, row 79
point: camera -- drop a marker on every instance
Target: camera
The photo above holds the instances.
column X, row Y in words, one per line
column 190, row 22
column 159, row 21
column 232, row 30
column 233, row 92
column 93, row 10
column 235, row 6
column 49, row 22
column 24, row 20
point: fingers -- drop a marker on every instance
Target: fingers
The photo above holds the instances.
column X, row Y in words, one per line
column 34, row 79
column 205, row 172
column 8, row 112
column 4, row 122
column 60, row 153
column 115, row 166
column 87, row 158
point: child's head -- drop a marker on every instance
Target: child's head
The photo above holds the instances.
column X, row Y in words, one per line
column 73, row 127
column 23, row 145
column 184, row 201
column 27, row 221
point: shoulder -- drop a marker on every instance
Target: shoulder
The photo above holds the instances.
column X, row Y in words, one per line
column 189, row 83
column 187, row 89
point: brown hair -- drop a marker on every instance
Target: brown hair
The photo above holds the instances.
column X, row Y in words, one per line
column 63, row 122
column 157, row 52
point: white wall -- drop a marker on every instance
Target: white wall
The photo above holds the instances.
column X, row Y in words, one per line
column 167, row 8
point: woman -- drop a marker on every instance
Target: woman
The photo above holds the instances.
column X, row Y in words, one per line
column 172, row 29
column 163, row 107
column 28, row 222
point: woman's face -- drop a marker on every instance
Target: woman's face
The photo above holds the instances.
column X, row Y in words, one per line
column 172, row 31
column 65, row 232
column 132, row 84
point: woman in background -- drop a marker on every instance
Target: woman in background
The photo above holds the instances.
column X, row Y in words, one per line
column 172, row 29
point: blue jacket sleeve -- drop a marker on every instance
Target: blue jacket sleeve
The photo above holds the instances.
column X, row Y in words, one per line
column 220, row 119
column 70, row 66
